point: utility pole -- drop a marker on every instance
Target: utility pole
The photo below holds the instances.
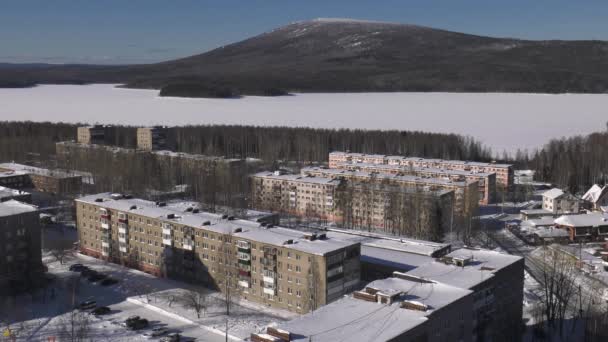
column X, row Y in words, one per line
column 226, row 329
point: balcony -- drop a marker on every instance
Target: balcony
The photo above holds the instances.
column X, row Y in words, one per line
column 122, row 240
column 167, row 242
column 269, row 251
column 244, row 262
column 244, row 273
column 167, row 231
column 268, row 262
column 245, row 284
column 105, row 244
column 243, row 245
column 268, row 280
column 244, row 256
column 105, row 225
column 122, row 249
column 188, row 245
column 270, row 291
column 122, row 230
column 105, row 251
column 123, row 219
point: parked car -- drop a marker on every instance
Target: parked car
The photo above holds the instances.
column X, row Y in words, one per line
column 108, row 281
column 87, row 271
column 76, row 267
column 138, row 324
column 89, row 304
column 156, row 332
column 102, row 310
column 129, row 321
column 174, row 337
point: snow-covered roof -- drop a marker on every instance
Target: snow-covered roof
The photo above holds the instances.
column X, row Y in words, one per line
column 595, row 193
column 8, row 192
column 396, row 260
column 12, row 207
column 12, row 173
column 250, row 230
column 482, row 266
column 543, row 221
column 298, row 178
column 430, row 160
column 553, row 193
column 38, row 171
column 355, row 320
column 415, row 169
column 583, row 220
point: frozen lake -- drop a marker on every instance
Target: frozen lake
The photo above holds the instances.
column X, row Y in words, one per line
column 501, row 121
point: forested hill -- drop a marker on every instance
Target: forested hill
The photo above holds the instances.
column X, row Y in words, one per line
column 337, row 55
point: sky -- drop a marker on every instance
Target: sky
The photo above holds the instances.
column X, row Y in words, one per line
column 146, row 31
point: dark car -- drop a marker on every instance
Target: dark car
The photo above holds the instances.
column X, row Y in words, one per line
column 96, row 277
column 138, row 324
column 87, row 271
column 108, row 281
column 131, row 320
column 76, row 267
column 89, row 304
column 174, row 337
column 102, row 310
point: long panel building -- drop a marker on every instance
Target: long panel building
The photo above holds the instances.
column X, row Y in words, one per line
column 504, row 172
column 485, row 180
column 45, row 180
column 420, row 213
column 276, row 266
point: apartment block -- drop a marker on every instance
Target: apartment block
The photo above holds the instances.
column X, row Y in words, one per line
column 275, row 266
column 465, row 192
column 20, row 256
column 91, row 134
column 504, row 172
column 485, row 180
column 496, row 280
column 152, row 138
column 46, row 180
column 424, row 214
column 558, row 202
column 398, row 308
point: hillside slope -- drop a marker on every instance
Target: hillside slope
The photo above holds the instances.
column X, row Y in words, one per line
column 337, row 55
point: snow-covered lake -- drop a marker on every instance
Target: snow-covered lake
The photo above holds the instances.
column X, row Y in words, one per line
column 501, row 121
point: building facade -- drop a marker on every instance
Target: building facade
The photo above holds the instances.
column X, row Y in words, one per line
column 275, row 266
column 20, row 254
column 558, row 202
column 152, row 138
column 91, row 134
column 504, row 172
column 486, row 181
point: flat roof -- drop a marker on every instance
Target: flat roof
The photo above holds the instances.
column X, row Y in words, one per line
column 405, row 178
column 356, row 320
column 251, row 230
column 299, row 178
column 39, row 171
column 419, row 169
column 12, row 207
column 484, row 263
column 7, row 174
column 8, row 192
column 435, row 160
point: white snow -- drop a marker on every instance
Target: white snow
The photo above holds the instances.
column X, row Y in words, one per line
column 501, row 121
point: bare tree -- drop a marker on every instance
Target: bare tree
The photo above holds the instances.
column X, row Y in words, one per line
column 76, row 327
column 61, row 254
column 196, row 300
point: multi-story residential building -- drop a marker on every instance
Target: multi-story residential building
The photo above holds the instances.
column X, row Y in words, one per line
column 496, row 280
column 47, row 180
column 557, row 202
column 486, row 180
column 91, row 134
column 418, row 213
column 20, row 255
column 152, row 138
column 399, row 308
column 504, row 172
column 14, row 194
column 14, row 179
column 465, row 192
column 276, row 266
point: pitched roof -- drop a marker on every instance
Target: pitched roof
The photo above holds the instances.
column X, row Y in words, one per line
column 595, row 193
column 583, row 220
column 553, row 193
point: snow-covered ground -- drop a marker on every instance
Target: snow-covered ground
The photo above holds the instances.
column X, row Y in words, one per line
column 501, row 121
column 42, row 315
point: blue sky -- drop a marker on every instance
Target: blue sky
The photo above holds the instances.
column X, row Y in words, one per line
column 141, row 31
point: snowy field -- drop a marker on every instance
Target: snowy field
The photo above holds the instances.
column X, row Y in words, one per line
column 501, row 121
